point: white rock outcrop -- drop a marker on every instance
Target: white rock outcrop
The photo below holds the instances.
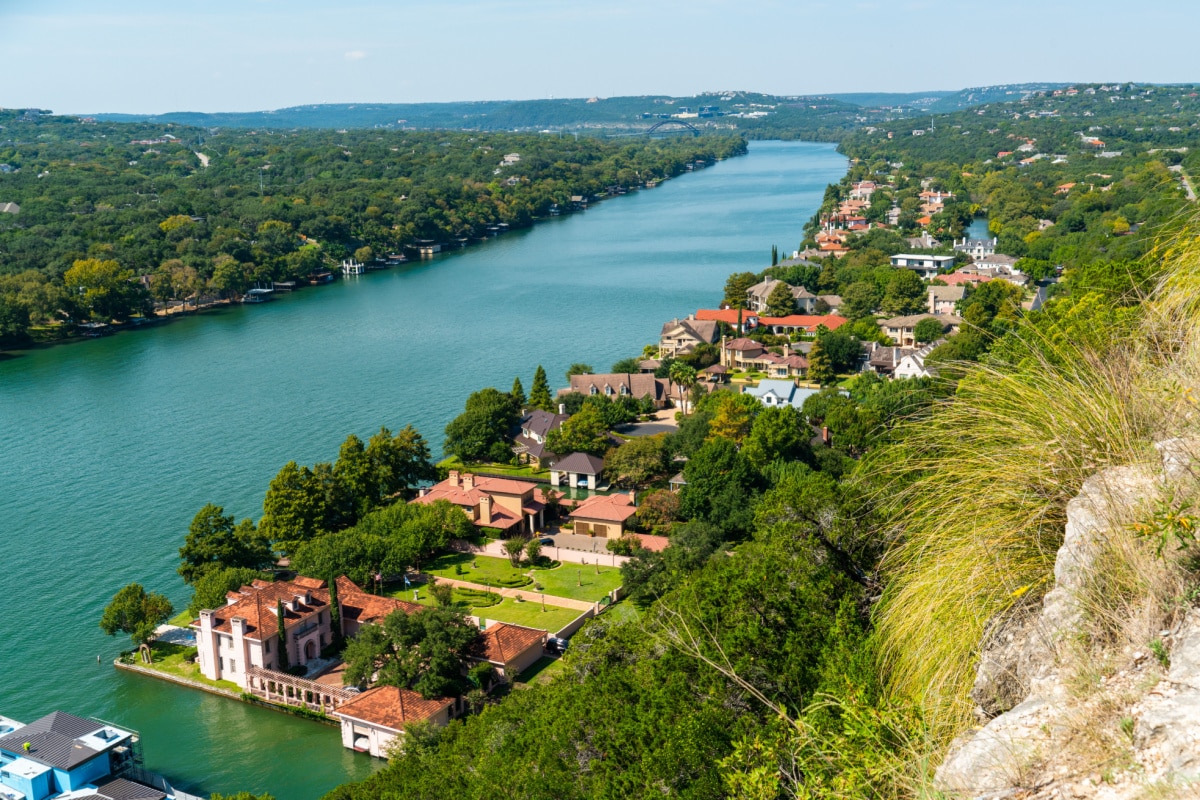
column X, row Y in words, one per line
column 1025, row 748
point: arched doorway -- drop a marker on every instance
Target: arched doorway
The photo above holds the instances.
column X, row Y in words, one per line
column 310, row 650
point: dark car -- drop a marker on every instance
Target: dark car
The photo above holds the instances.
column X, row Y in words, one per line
column 556, row 645
column 546, row 540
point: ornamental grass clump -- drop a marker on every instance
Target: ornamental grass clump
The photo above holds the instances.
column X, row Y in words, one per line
column 977, row 492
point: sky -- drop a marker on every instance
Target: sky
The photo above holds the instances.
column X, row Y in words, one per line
column 89, row 56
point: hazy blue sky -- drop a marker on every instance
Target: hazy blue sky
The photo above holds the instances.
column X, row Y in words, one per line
column 234, row 55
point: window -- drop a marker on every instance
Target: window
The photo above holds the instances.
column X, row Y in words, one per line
column 221, row 661
column 267, row 644
column 232, row 665
column 593, row 391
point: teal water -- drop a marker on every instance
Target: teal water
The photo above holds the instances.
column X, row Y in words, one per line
column 109, row 447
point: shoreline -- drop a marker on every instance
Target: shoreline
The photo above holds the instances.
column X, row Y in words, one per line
column 165, row 318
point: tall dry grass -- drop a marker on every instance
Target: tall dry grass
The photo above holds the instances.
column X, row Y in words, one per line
column 978, row 491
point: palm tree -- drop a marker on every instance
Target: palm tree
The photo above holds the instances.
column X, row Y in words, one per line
column 684, row 377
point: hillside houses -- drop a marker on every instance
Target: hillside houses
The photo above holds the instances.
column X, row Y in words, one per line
column 679, row 337
column 751, row 356
column 944, row 299
column 927, row 266
column 902, row 330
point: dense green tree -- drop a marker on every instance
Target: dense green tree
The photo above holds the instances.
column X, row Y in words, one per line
column 733, row 415
column 214, row 542
column 928, row 329
column 210, row 590
column 781, row 302
column 294, row 509
column 517, row 393
column 820, row 368
column 283, row 659
column 905, row 293
column 539, row 392
column 627, row 366
column 736, row 287
column 842, row 349
column 636, row 462
column 136, row 612
column 426, row 652
column 584, row 432
column 650, row 575
column 104, row 291
column 777, row 433
column 684, row 378
column 482, row 431
column 721, row 487
column 578, row 369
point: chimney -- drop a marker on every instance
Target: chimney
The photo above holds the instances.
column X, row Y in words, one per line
column 633, row 497
column 562, row 408
column 453, row 477
column 468, row 481
column 485, row 509
column 422, row 492
column 825, row 438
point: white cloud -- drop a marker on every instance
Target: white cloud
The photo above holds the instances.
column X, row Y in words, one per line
column 355, row 55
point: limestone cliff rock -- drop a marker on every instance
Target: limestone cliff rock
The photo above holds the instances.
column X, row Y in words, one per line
column 1040, row 738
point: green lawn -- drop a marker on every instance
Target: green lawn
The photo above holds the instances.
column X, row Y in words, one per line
column 182, row 619
column 565, row 581
column 486, row 570
column 544, row 670
column 529, row 613
column 622, row 612
column 507, row 470
column 467, row 598
column 173, row 660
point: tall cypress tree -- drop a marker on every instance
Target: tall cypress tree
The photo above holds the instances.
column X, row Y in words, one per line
column 282, row 633
column 539, row 393
column 335, row 613
column 518, row 393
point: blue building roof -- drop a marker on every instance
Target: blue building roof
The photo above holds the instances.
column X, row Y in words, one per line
column 780, row 393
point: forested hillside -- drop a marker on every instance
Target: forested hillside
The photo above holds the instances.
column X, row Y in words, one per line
column 100, row 205
column 814, row 628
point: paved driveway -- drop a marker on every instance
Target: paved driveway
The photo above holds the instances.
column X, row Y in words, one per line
column 646, row 429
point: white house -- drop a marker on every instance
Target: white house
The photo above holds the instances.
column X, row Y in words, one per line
column 913, row 365
column 944, row 299
column 976, row 248
column 924, row 265
column 776, row 394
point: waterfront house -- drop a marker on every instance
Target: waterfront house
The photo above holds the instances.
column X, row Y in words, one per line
column 503, row 504
column 776, row 394
column 926, row 266
column 681, row 337
column 603, row 515
column 61, row 754
column 530, row 444
column 373, row 720
column 618, row 384
column 758, row 294
column 510, row 649
column 358, row 608
column 244, row 633
column 944, row 299
column 749, row 355
column 578, row 470
column 901, row 330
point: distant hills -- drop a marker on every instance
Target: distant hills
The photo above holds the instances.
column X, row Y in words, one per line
column 748, row 111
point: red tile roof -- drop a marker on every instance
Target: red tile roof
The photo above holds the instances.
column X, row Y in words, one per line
column 368, row 608
column 502, row 641
column 606, row 508
column 260, row 600
column 391, row 707
column 653, row 543
column 730, row 317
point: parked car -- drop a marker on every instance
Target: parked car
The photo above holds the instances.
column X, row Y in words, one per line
column 556, row 645
column 546, row 540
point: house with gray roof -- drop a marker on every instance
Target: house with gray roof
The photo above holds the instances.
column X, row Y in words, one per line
column 61, row 753
column 758, row 294
column 681, row 336
column 776, row 394
column 578, row 470
column 530, row 444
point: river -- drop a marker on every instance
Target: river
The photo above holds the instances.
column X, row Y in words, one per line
column 109, row 447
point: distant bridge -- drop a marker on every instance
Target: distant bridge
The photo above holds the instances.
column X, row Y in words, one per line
column 675, row 122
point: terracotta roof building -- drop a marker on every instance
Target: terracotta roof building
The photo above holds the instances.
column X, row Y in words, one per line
column 501, row 503
column 372, row 721
column 603, row 515
column 511, row 649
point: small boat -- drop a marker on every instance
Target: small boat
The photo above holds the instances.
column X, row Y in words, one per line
column 258, row 295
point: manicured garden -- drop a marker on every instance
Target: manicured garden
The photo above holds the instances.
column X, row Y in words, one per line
column 485, row 570
column 529, row 613
column 177, row 660
column 578, row 581
column 506, row 470
column 469, row 599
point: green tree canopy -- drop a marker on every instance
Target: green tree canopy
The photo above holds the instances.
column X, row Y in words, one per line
column 482, row 431
column 584, row 432
column 212, row 587
column 136, row 612
column 426, row 651
column 928, row 329
column 636, row 462
column 781, row 302
column 905, row 293
column 539, row 391
column 215, row 543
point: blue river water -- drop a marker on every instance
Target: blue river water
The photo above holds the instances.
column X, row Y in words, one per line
column 109, row 447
